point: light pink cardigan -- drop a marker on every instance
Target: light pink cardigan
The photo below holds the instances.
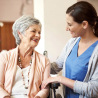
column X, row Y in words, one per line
column 40, row 69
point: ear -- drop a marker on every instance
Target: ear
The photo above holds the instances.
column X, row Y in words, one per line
column 20, row 35
column 85, row 24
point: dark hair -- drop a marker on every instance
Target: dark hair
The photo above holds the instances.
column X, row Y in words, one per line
column 84, row 11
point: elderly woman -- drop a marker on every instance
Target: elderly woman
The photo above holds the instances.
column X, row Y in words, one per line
column 22, row 69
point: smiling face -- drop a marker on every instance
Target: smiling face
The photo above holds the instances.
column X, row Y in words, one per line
column 32, row 36
column 75, row 28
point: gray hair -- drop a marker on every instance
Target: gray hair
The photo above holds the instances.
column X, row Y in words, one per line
column 22, row 24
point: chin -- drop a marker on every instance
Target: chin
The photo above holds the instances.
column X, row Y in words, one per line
column 33, row 46
column 73, row 36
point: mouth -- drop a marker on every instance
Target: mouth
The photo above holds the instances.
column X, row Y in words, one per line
column 71, row 32
column 35, row 40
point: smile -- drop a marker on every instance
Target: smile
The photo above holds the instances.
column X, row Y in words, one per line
column 36, row 40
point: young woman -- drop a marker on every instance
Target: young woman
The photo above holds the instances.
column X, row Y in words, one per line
column 79, row 58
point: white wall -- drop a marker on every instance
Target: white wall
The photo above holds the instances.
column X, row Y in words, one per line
column 55, row 26
column 52, row 15
column 39, row 13
column 10, row 10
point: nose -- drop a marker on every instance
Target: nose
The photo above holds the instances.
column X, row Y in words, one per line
column 67, row 28
column 37, row 34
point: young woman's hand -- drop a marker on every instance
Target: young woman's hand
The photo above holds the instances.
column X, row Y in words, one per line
column 46, row 82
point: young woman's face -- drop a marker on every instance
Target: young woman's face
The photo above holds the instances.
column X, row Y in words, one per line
column 75, row 28
column 32, row 36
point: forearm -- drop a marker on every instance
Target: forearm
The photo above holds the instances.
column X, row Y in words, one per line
column 43, row 93
column 89, row 89
column 65, row 81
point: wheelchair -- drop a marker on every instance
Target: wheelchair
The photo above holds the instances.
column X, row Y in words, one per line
column 53, row 87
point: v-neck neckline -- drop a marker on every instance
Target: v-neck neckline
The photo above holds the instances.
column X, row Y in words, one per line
column 86, row 49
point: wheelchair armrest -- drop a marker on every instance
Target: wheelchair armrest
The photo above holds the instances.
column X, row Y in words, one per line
column 54, row 85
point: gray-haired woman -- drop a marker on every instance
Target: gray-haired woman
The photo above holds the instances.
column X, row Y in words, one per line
column 23, row 69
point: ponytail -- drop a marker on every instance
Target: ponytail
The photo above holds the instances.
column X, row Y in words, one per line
column 96, row 27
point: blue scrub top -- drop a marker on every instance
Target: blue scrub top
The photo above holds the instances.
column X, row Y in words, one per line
column 77, row 66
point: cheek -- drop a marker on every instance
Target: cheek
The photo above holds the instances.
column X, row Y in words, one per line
column 72, row 29
column 40, row 37
column 75, row 29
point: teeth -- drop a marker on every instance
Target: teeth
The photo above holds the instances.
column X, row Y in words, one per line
column 35, row 39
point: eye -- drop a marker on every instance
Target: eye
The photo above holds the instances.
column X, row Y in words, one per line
column 69, row 24
column 39, row 32
column 33, row 31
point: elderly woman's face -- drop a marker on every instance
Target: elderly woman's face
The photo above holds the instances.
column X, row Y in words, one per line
column 32, row 36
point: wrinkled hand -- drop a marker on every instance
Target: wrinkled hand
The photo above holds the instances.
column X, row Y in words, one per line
column 46, row 82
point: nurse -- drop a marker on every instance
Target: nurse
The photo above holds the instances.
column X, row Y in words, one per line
column 79, row 58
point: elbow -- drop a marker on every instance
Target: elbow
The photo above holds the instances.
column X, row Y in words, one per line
column 92, row 93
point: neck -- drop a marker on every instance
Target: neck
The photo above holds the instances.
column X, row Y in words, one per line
column 88, row 37
column 25, row 50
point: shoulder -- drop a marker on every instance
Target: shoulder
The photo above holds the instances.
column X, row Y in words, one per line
column 7, row 53
column 70, row 44
column 41, row 58
column 73, row 40
column 94, row 58
column 39, row 54
column 96, row 49
column 95, row 52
